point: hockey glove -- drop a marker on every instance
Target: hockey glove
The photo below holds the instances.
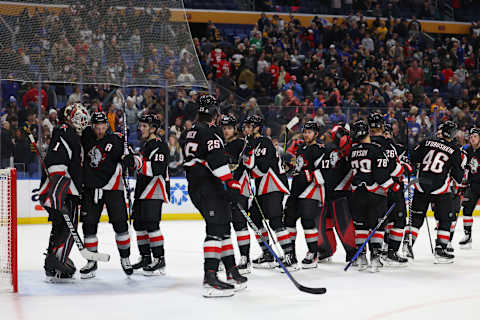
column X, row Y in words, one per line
column 232, row 188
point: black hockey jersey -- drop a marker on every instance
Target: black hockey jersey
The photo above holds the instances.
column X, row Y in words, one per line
column 308, row 181
column 103, row 158
column 336, row 171
column 261, row 158
column 473, row 167
column 370, row 168
column 389, row 149
column 205, row 156
column 439, row 161
column 64, row 157
column 152, row 170
column 233, row 151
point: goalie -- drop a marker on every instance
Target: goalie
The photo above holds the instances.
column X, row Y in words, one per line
column 59, row 193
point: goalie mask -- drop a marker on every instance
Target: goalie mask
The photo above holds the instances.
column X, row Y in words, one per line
column 77, row 116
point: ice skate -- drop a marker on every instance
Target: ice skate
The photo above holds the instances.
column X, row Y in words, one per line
column 362, row 262
column 244, row 266
column 142, row 262
column 156, row 268
column 290, row 262
column 394, row 260
column 236, row 279
column 442, row 256
column 265, row 261
column 126, row 266
column 375, row 263
column 310, row 261
column 214, row 288
column 89, row 270
column 466, row 242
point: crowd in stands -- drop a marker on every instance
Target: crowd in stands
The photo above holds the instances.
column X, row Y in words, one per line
column 332, row 73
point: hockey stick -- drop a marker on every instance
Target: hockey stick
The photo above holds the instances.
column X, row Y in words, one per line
column 289, row 127
column 125, row 152
column 429, row 235
column 267, row 226
column 88, row 255
column 259, row 234
column 382, row 220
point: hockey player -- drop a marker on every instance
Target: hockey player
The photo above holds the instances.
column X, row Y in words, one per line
column 397, row 219
column 233, row 147
column 370, row 184
column 103, row 185
column 472, row 193
column 265, row 166
column 439, row 161
column 212, row 188
column 151, row 191
column 336, row 211
column 63, row 159
column 307, row 193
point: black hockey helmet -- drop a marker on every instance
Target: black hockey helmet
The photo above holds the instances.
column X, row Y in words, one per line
column 255, row 120
column 375, row 120
column 473, row 131
column 311, row 125
column 98, row 117
column 208, row 105
column 388, row 128
column 150, row 119
column 228, row 120
column 359, row 130
column 449, row 129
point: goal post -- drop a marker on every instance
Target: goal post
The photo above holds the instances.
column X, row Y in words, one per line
column 8, row 230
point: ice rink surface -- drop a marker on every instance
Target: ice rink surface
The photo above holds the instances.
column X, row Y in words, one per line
column 421, row 291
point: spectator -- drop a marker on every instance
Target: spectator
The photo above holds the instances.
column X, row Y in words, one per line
column 76, row 96
column 176, row 157
column 30, row 99
column 7, row 145
column 51, row 121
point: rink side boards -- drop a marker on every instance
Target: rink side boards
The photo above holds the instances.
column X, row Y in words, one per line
column 179, row 208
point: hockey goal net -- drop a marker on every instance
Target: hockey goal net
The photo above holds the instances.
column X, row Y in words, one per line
column 8, row 230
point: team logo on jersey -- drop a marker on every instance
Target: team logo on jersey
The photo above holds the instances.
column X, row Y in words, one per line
column 334, row 158
column 300, row 163
column 96, row 156
column 474, row 165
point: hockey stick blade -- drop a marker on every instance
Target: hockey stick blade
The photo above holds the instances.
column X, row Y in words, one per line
column 96, row 256
column 292, row 123
column 265, row 242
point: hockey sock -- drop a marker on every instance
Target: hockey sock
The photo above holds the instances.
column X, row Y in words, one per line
column 265, row 235
column 243, row 240
column 91, row 243
column 156, row 243
column 311, row 237
column 123, row 244
column 283, row 237
column 413, row 231
column 227, row 253
column 452, row 229
column 360, row 237
column 143, row 243
column 376, row 240
column 467, row 224
column 212, row 249
column 293, row 236
column 395, row 237
column 443, row 237
column 386, row 236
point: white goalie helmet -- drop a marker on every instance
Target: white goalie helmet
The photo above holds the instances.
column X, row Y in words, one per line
column 77, row 116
